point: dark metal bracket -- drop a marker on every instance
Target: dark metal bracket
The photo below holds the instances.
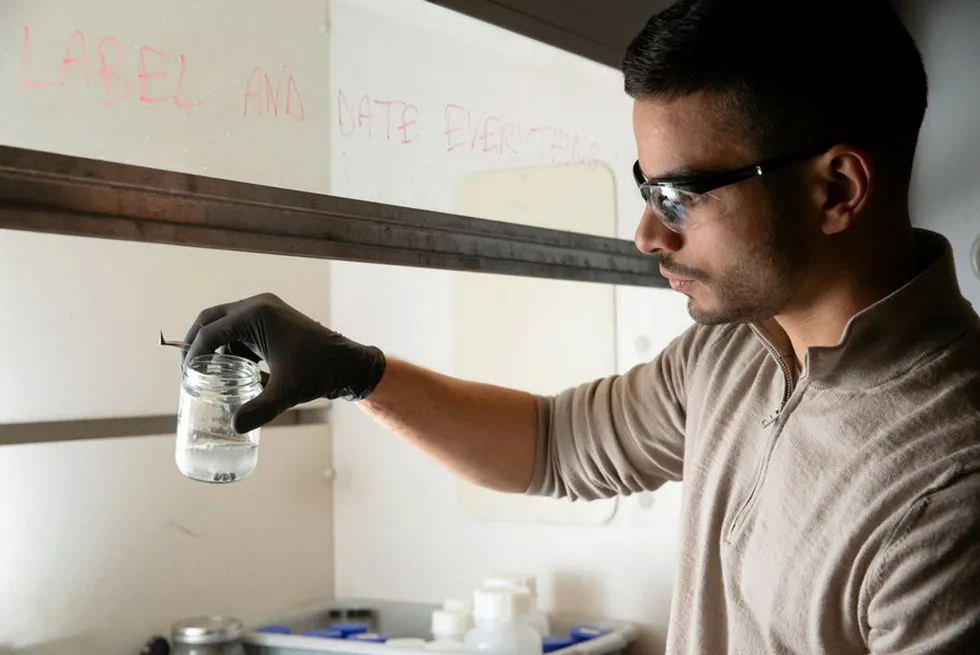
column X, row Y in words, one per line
column 45, row 192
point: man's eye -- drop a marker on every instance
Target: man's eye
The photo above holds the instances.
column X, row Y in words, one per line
column 688, row 199
column 678, row 198
column 694, row 199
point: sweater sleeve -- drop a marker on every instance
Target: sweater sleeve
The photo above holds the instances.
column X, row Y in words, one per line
column 617, row 435
column 925, row 588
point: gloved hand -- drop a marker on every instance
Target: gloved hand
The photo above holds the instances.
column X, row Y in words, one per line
column 306, row 360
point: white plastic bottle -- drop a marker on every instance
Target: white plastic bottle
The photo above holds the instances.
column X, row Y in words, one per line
column 501, row 615
column 450, row 626
column 537, row 619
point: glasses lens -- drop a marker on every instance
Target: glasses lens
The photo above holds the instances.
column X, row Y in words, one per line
column 676, row 208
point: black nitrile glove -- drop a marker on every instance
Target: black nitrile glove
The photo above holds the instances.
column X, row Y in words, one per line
column 306, row 360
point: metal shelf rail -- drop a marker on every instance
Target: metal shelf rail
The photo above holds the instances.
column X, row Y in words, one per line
column 46, row 192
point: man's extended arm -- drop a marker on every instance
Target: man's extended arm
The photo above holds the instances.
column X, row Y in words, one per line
column 619, row 434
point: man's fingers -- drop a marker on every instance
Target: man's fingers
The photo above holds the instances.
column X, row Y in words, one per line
column 239, row 349
column 263, row 408
column 210, row 337
column 206, row 317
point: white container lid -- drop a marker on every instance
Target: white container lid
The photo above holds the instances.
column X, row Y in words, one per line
column 501, row 603
column 449, row 623
column 526, row 580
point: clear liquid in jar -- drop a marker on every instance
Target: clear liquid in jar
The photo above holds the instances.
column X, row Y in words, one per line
column 211, row 458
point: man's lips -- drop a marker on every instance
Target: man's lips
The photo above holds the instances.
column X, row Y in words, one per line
column 676, row 283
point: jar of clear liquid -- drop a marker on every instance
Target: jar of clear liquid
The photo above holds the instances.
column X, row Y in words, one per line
column 208, row 447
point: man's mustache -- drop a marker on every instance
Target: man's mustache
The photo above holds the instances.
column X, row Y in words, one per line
column 668, row 264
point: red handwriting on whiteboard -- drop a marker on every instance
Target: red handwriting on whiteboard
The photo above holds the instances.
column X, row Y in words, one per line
column 462, row 129
column 158, row 76
column 568, row 147
column 485, row 132
column 395, row 119
column 465, row 129
column 264, row 97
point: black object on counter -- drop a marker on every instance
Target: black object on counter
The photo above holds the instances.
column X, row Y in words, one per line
column 156, row 646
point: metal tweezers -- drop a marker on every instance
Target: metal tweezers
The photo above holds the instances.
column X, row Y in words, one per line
column 176, row 344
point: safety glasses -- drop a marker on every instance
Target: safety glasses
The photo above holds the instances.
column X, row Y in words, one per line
column 685, row 201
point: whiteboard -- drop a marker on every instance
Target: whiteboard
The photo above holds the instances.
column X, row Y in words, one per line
column 211, row 88
column 395, row 102
column 81, row 319
column 422, row 96
column 208, row 88
column 541, row 336
column 436, row 110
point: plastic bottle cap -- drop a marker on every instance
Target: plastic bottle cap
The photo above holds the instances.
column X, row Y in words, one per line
column 325, row 633
column 274, row 629
column 501, row 603
column 526, row 580
column 459, row 605
column 349, row 628
column 407, row 643
column 586, row 632
column 369, row 637
column 551, row 644
column 449, row 623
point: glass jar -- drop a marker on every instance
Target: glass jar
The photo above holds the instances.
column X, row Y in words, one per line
column 207, row 635
column 208, row 447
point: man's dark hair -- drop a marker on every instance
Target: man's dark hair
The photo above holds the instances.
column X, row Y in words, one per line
column 791, row 74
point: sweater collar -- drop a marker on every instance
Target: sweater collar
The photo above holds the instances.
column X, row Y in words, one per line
column 890, row 336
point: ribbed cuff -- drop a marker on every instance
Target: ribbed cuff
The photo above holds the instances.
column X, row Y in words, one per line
column 539, row 473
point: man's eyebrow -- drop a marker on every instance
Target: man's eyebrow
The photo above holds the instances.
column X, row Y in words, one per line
column 677, row 174
column 682, row 173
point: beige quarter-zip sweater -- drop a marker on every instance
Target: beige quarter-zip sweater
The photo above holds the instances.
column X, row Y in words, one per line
column 836, row 513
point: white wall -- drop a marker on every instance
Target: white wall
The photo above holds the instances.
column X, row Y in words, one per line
column 79, row 322
column 423, row 547
column 400, row 531
column 103, row 543
column 69, row 584
column 946, row 188
column 426, row 547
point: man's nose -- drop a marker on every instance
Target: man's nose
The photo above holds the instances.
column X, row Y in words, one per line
column 652, row 236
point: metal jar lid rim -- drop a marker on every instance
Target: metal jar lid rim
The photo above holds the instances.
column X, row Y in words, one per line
column 206, row 630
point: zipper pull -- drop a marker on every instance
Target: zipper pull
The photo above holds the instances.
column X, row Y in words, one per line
column 772, row 418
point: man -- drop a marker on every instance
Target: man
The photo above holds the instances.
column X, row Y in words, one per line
column 823, row 413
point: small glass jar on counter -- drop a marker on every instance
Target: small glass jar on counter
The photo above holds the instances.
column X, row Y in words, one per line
column 209, row 449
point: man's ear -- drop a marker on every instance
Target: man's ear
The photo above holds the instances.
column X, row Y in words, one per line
column 845, row 175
